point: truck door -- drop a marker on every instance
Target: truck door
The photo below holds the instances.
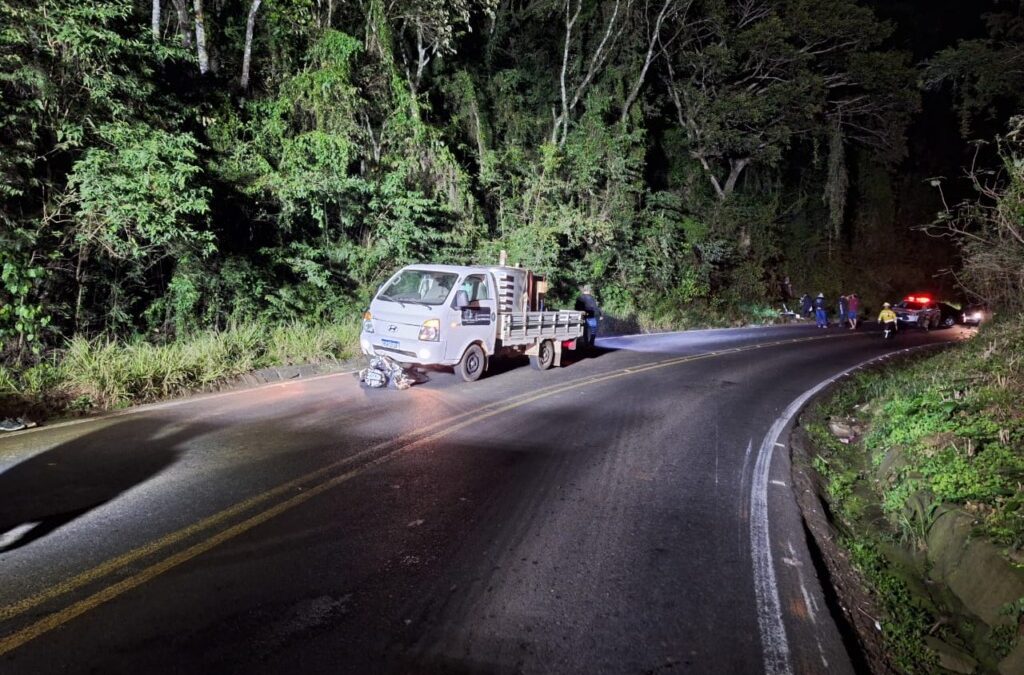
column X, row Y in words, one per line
column 473, row 316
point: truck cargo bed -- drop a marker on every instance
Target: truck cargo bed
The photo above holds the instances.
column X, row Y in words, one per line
column 530, row 327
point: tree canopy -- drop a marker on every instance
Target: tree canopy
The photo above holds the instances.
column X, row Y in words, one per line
column 174, row 166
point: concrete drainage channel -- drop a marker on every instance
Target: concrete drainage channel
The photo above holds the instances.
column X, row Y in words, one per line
column 964, row 582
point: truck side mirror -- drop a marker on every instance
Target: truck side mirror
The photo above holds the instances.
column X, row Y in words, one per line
column 461, row 299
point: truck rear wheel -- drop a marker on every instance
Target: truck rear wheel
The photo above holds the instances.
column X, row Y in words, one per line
column 472, row 365
column 545, row 356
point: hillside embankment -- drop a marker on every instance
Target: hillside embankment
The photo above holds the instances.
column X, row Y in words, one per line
column 912, row 477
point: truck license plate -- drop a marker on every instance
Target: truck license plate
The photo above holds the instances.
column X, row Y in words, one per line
column 389, row 343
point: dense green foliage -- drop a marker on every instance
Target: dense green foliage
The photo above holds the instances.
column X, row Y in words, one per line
column 940, row 432
column 236, row 160
column 956, row 419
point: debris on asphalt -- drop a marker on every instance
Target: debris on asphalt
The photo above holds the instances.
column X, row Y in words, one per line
column 383, row 372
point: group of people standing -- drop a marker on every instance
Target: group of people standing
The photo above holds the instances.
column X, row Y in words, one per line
column 848, row 309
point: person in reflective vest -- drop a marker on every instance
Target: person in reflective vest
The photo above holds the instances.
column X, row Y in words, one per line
column 887, row 319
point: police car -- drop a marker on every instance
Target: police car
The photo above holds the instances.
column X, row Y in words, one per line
column 918, row 310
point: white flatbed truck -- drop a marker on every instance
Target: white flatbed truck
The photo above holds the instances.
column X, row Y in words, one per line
column 462, row 316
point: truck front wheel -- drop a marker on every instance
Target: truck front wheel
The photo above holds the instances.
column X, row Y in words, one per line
column 472, row 365
column 545, row 356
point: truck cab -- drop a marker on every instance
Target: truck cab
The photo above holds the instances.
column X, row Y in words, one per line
column 430, row 314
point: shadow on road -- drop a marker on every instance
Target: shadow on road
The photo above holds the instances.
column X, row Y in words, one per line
column 504, row 364
column 571, row 357
column 498, row 365
column 53, row 488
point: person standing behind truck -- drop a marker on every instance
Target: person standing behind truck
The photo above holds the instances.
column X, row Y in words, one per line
column 587, row 303
column 821, row 311
column 806, row 306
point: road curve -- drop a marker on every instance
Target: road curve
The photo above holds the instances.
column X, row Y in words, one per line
column 631, row 512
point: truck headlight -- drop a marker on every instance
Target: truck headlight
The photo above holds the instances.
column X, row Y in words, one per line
column 367, row 322
column 431, row 330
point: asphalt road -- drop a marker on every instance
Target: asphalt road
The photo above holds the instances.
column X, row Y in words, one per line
column 631, row 512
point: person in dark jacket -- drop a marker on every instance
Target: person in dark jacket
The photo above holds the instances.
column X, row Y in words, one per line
column 587, row 304
column 844, row 304
column 821, row 311
column 806, row 306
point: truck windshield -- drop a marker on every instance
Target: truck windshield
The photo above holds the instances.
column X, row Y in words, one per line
column 419, row 286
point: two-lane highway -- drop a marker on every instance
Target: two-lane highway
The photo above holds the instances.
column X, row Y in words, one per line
column 628, row 513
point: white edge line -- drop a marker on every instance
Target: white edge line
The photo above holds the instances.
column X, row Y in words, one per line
column 774, row 645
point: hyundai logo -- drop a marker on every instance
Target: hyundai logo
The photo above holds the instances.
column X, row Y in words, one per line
column 392, row 328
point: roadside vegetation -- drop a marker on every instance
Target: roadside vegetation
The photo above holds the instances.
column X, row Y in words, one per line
column 103, row 373
column 956, row 421
column 903, row 448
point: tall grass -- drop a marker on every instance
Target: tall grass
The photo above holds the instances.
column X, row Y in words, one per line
column 298, row 343
column 8, row 382
column 108, row 373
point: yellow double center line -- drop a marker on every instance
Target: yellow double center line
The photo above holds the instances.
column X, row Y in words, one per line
column 310, row 485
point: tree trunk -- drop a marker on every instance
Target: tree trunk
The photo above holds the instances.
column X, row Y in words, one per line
column 155, row 21
column 563, row 118
column 201, row 53
column 247, row 57
column 181, row 8
column 80, row 281
column 597, row 59
column 736, row 167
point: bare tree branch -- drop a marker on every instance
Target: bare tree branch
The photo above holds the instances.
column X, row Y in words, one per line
column 654, row 39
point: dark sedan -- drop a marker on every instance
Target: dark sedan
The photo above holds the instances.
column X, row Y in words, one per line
column 949, row 315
